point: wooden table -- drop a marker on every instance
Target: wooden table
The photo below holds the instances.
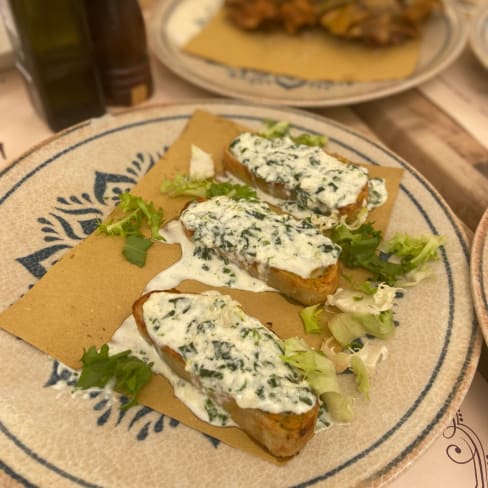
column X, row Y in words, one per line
column 433, row 142
column 420, row 131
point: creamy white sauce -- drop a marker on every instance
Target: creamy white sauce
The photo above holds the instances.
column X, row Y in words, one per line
column 250, row 390
column 213, row 271
column 201, row 164
column 317, row 180
column 250, row 232
column 231, row 354
column 127, row 336
column 347, row 300
column 372, row 353
column 377, row 193
column 292, row 207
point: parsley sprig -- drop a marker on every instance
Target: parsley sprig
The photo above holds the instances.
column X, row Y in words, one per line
column 361, row 248
column 129, row 372
column 138, row 214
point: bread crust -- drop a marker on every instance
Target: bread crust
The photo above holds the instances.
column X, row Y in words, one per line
column 278, row 190
column 307, row 291
column 282, row 434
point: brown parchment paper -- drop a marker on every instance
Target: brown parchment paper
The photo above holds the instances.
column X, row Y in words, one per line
column 85, row 297
column 311, row 55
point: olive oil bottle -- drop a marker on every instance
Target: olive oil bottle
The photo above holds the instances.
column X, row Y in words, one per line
column 54, row 54
column 119, row 36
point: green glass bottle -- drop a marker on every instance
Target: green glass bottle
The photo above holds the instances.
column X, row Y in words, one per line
column 54, row 55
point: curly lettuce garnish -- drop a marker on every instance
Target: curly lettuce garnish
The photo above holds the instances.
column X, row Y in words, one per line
column 183, row 185
column 364, row 300
column 320, row 374
column 277, row 129
column 361, row 248
column 361, row 374
column 364, row 311
column 414, row 254
column 361, row 360
column 138, row 215
column 346, row 327
column 372, row 300
column 311, row 318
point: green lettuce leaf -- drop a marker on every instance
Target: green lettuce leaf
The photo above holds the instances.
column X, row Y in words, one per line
column 135, row 249
column 129, row 372
column 145, row 211
column 274, row 129
column 321, row 375
column 348, row 326
column 349, row 300
column 311, row 318
column 278, row 129
column 339, row 406
column 361, row 248
column 183, row 185
column 361, row 374
column 414, row 251
column 140, row 216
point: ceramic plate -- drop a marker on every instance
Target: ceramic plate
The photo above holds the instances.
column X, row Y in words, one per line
column 479, row 273
column 173, row 21
column 478, row 34
column 51, row 199
column 6, row 52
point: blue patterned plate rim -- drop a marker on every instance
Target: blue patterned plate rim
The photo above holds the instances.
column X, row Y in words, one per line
column 426, row 433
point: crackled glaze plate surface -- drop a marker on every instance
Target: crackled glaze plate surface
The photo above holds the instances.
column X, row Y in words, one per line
column 479, row 273
column 51, row 198
column 174, row 21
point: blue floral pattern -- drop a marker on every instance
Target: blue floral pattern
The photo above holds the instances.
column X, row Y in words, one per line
column 71, row 220
column 75, row 217
column 141, row 420
column 255, row 77
column 454, row 352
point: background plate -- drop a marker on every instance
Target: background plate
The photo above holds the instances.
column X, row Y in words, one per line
column 479, row 273
column 478, row 33
column 173, row 20
column 50, row 199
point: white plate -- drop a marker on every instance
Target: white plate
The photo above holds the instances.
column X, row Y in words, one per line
column 479, row 273
column 173, row 20
column 50, row 199
column 6, row 52
column 478, row 34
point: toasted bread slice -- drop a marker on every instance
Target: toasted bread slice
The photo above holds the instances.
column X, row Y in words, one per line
column 247, row 377
column 331, row 175
column 292, row 256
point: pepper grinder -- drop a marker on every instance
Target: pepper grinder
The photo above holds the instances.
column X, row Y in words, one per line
column 119, row 38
